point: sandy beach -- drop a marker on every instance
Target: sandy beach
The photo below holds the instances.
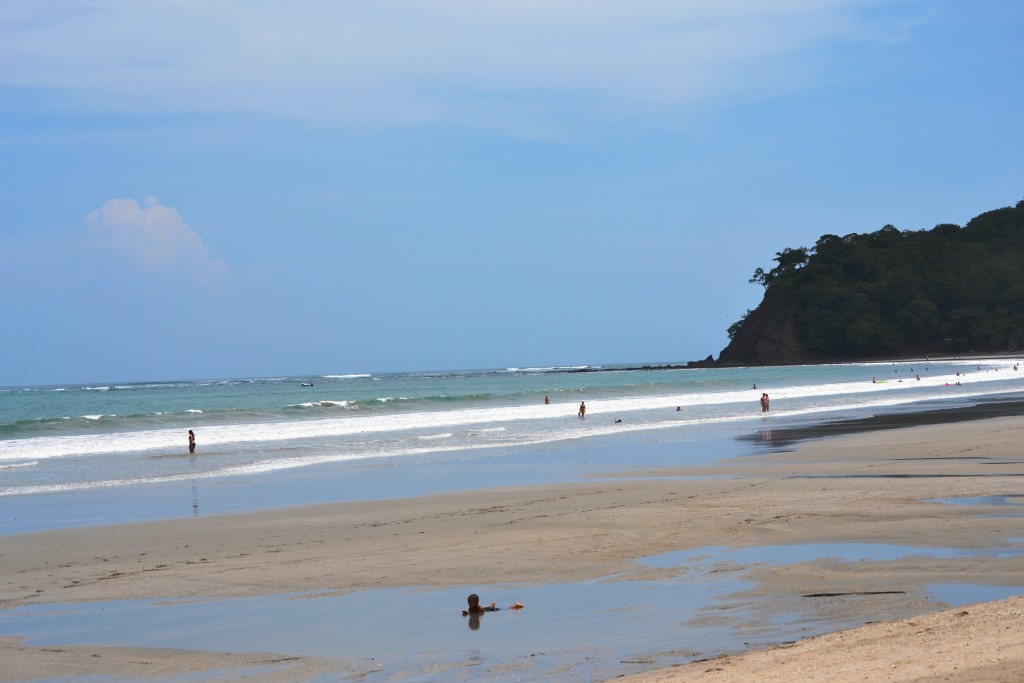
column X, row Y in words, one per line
column 892, row 487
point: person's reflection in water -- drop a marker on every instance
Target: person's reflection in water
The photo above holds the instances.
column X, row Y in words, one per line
column 474, row 610
column 195, row 488
column 474, row 622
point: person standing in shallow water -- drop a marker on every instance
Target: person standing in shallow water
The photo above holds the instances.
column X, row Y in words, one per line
column 191, row 443
column 583, row 410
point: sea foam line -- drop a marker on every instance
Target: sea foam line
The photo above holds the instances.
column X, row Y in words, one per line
column 573, row 430
column 828, row 397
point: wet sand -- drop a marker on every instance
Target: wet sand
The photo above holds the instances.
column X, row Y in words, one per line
column 881, row 487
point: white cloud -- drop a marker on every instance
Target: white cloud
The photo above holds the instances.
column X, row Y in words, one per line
column 488, row 62
column 153, row 237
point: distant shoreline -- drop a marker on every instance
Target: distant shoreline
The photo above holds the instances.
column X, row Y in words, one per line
column 985, row 410
column 709, row 363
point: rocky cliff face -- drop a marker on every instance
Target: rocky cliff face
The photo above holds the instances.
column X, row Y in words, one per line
column 767, row 337
column 889, row 293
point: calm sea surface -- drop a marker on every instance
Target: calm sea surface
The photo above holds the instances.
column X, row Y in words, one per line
column 126, row 444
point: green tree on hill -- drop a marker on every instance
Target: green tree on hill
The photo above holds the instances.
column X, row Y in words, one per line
column 890, row 293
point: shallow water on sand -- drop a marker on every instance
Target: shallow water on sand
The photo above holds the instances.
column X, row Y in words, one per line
column 594, row 630
column 429, row 474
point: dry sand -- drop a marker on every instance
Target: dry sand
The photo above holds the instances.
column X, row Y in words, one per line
column 869, row 488
column 974, row 643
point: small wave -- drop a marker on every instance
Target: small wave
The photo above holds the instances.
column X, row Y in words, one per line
column 194, row 410
column 433, row 437
column 554, row 368
column 14, row 465
column 352, row 376
column 97, row 388
column 176, row 456
column 485, row 431
column 321, row 404
column 335, row 404
column 93, row 417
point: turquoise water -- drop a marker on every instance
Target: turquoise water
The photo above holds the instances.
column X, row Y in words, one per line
column 275, row 441
column 76, row 455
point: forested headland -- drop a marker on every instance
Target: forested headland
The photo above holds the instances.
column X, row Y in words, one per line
column 890, row 294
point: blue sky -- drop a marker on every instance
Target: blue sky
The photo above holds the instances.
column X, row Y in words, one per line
column 244, row 188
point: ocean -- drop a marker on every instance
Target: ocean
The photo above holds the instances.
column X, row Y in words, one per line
column 74, row 456
column 106, row 453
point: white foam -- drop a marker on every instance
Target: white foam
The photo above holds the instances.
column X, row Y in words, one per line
column 555, row 368
column 533, row 422
column 15, row 465
column 261, row 467
column 559, row 424
column 320, row 404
